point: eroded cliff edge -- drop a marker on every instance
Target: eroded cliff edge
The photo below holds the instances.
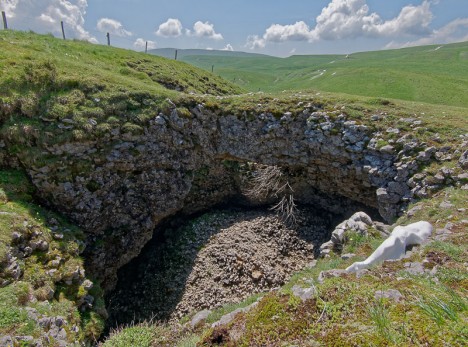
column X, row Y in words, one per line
column 120, row 185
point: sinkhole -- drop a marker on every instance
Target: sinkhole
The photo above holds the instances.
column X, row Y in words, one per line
column 220, row 256
column 257, row 235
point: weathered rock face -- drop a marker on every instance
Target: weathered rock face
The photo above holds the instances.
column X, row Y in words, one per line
column 120, row 187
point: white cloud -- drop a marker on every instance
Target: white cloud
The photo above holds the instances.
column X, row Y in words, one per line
column 112, row 26
column 141, row 44
column 9, row 7
column 298, row 31
column 342, row 19
column 45, row 16
column 455, row 31
column 412, row 20
column 255, row 42
column 171, row 28
column 228, row 47
column 205, row 30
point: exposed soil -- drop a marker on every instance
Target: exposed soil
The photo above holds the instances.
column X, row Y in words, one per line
column 220, row 257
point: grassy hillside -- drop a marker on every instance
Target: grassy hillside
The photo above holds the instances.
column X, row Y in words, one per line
column 427, row 73
column 82, row 63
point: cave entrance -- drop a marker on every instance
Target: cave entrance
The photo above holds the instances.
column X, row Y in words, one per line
column 270, row 226
column 220, row 256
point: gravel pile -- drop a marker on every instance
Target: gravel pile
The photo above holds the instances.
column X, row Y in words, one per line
column 218, row 258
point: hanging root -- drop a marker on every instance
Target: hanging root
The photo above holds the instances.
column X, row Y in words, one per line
column 287, row 210
column 267, row 180
column 270, row 181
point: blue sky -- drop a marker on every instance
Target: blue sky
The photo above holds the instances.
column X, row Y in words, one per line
column 262, row 26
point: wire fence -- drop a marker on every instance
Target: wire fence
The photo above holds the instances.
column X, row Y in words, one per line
column 111, row 40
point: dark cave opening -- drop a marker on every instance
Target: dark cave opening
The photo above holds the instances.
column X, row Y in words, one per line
column 218, row 256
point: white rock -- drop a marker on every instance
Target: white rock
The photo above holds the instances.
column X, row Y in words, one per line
column 395, row 245
column 199, row 317
column 227, row 318
column 304, row 293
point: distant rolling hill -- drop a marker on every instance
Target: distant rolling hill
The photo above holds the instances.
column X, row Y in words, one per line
column 434, row 74
column 183, row 53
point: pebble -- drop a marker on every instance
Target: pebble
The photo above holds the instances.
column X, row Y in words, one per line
column 392, row 294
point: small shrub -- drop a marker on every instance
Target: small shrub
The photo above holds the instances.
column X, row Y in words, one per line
column 139, row 335
column 354, row 240
column 87, row 127
column 93, row 325
column 7, row 107
column 132, row 128
column 42, row 76
column 57, row 110
column 381, row 143
column 271, row 181
column 113, row 120
column 78, row 134
column 76, row 97
column 380, row 315
column 3, row 196
column 103, row 128
column 29, row 105
column 125, row 71
column 10, row 316
column 183, row 112
column 44, row 293
column 92, row 112
column 22, row 292
column 380, row 101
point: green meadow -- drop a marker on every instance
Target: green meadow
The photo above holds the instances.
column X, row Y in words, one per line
column 432, row 74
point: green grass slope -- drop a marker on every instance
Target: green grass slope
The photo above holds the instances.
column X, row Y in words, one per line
column 105, row 67
column 427, row 73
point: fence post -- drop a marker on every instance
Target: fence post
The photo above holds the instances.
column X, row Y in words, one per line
column 5, row 24
column 175, row 54
column 63, row 30
column 146, row 47
column 108, row 39
column 212, row 68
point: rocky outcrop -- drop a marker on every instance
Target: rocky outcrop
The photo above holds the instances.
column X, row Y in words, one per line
column 120, row 187
column 359, row 223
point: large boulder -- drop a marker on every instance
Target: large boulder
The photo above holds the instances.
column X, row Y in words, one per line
column 359, row 222
column 394, row 247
